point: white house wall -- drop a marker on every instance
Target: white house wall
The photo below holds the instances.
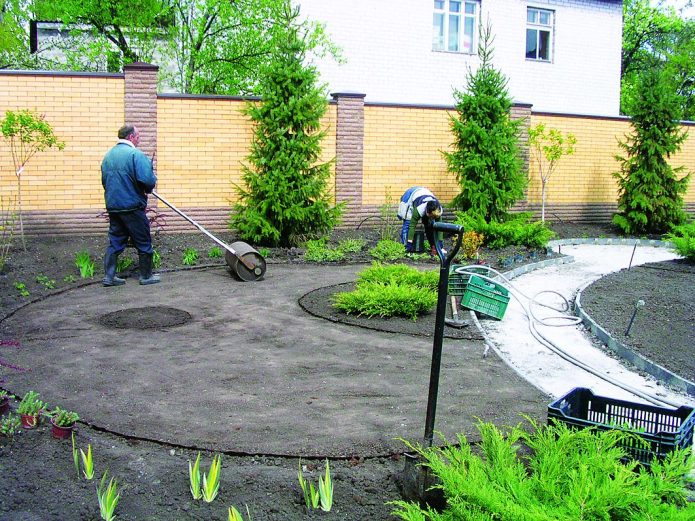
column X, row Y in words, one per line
column 388, row 47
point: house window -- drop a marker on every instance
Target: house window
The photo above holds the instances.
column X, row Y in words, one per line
column 539, row 34
column 454, row 26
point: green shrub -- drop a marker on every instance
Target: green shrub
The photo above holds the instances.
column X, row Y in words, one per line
column 568, row 475
column 85, row 264
column 318, row 251
column 386, row 300
column 351, row 245
column 387, row 249
column 683, row 238
column 399, row 274
column 190, row 257
column 516, row 230
column 215, row 252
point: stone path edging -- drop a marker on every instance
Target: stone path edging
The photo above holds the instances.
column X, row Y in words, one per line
column 639, row 361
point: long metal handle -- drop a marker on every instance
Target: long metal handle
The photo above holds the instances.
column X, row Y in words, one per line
column 199, row 226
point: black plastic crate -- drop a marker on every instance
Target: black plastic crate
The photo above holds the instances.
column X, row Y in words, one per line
column 662, row 429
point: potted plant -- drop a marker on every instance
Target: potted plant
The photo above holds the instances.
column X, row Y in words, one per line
column 29, row 409
column 4, row 402
column 62, row 423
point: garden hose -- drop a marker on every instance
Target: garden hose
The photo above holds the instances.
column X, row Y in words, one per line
column 560, row 320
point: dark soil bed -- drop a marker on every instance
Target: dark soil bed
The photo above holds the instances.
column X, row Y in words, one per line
column 38, row 480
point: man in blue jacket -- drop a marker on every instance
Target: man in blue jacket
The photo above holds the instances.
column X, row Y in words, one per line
column 127, row 178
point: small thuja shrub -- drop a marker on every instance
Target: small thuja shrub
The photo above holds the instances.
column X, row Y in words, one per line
column 190, row 257
column 563, row 474
column 515, row 230
column 400, row 274
column 387, row 249
column 683, row 239
column 215, row 252
column 386, row 300
column 318, row 251
column 85, row 264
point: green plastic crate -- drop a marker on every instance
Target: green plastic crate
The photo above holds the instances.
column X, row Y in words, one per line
column 459, row 281
column 661, row 429
column 488, row 298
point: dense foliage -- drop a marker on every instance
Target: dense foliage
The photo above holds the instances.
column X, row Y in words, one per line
column 650, row 193
column 390, row 290
column 485, row 156
column 657, row 37
column 565, row 475
column 516, row 230
column 683, row 238
column 285, row 199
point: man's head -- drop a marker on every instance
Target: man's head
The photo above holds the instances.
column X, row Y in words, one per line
column 433, row 210
column 130, row 133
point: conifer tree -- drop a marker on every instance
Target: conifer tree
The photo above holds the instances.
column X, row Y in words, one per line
column 650, row 194
column 286, row 198
column 485, row 156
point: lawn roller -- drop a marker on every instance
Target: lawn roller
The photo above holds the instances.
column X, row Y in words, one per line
column 245, row 263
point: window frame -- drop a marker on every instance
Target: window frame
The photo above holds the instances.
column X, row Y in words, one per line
column 540, row 27
column 440, row 42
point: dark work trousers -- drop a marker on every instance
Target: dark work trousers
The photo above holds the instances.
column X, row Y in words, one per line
column 123, row 225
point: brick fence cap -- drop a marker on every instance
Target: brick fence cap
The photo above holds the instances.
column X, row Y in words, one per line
column 140, row 66
column 337, row 95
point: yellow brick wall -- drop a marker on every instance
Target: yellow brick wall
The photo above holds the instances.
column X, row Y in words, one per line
column 202, row 144
column 85, row 113
column 402, row 148
column 586, row 176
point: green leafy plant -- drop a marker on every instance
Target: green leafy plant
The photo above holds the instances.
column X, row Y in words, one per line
column 85, row 264
column 7, row 225
column 318, row 251
column 387, row 249
column 400, row 274
column 683, row 239
column 124, row 262
column 485, row 156
column 650, row 192
column 326, row 490
column 9, row 425
column 190, row 256
column 211, row 480
column 215, row 252
column 264, row 252
column 26, row 133
column 108, row 497
column 547, row 148
column 63, row 418
column 69, row 279
column 311, row 495
column 46, row 282
column 22, row 288
column 194, row 477
column 351, row 245
column 516, row 230
column 30, row 404
column 471, row 243
column 87, row 463
column 389, row 220
column 386, row 300
column 75, row 455
column 285, row 198
column 234, row 515
column 156, row 259
column 551, row 472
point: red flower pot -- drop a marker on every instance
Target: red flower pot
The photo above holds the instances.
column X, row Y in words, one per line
column 61, row 432
column 30, row 421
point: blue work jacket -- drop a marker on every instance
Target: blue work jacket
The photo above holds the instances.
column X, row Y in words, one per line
column 127, row 178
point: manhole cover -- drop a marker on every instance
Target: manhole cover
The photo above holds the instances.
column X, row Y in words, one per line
column 150, row 317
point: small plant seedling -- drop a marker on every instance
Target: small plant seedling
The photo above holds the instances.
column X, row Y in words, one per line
column 326, row 490
column 22, row 288
column 85, row 264
column 46, row 282
column 69, row 279
column 63, row 418
column 30, row 404
column 123, row 263
column 194, row 478
column 215, row 252
column 156, row 259
column 311, row 495
column 75, row 456
column 211, row 480
column 108, row 497
column 264, row 252
column 87, row 463
column 235, row 515
column 190, row 256
column 9, row 425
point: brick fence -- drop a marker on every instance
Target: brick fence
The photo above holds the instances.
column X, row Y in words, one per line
column 200, row 144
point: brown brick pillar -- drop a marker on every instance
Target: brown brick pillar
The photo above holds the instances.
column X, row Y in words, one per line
column 349, row 153
column 141, row 103
column 522, row 111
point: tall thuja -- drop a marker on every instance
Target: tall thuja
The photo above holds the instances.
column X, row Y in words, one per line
column 485, row 156
column 286, row 198
column 650, row 194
